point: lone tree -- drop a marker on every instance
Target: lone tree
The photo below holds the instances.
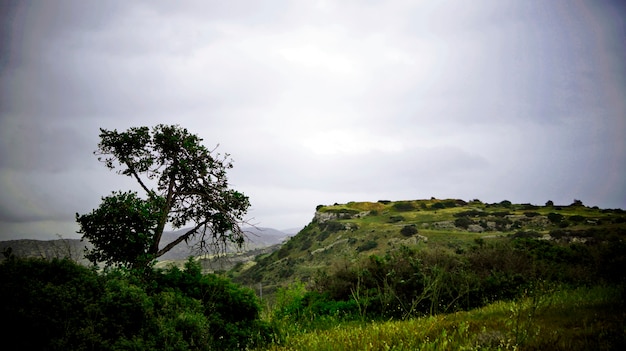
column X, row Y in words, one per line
column 185, row 184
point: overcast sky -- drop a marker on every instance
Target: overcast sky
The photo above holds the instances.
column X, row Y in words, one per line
column 317, row 101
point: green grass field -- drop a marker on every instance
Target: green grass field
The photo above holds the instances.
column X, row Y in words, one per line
column 549, row 319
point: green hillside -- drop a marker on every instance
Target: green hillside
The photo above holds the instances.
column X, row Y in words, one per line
column 345, row 234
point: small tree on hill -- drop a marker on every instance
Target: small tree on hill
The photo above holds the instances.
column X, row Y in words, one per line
column 190, row 188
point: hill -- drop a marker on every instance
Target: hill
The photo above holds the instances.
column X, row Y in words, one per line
column 344, row 234
column 260, row 240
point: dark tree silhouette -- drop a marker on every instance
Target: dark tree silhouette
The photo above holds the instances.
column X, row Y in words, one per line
column 185, row 184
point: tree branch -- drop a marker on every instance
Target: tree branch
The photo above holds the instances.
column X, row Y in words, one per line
column 158, row 233
column 178, row 240
column 134, row 173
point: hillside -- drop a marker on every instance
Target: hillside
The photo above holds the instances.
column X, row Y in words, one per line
column 343, row 234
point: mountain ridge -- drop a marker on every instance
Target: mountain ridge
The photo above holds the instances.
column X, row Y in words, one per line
column 258, row 238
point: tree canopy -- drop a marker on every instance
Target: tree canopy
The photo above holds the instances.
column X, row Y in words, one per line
column 185, row 185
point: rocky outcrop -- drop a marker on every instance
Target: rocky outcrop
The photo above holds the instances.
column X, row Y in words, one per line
column 325, row 216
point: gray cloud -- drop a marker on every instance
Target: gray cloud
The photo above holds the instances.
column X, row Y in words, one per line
column 317, row 102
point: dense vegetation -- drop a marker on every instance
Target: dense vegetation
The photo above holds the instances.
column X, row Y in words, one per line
column 60, row 305
column 429, row 274
column 360, row 263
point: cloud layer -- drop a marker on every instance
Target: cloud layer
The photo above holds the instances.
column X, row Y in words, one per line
column 317, row 102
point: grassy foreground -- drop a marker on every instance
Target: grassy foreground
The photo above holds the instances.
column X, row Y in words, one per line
column 553, row 319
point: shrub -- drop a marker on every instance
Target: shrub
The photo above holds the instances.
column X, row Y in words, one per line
column 367, row 246
column 50, row 300
column 463, row 222
column 232, row 311
column 323, row 236
column 332, row 226
column 555, row 217
column 408, row 230
column 526, row 234
column 306, row 244
column 470, row 213
column 577, row 203
column 403, row 206
column 396, row 219
column 438, row 206
column 452, row 203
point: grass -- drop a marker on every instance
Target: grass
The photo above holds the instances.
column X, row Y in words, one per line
column 578, row 319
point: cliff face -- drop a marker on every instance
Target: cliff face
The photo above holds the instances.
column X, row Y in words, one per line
column 325, row 216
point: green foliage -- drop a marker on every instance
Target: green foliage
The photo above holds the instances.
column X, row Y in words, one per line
column 121, row 230
column 463, row 222
column 51, row 300
column 471, row 213
column 506, row 203
column 368, row 245
column 438, row 206
column 332, row 226
column 546, row 318
column 191, row 188
column 64, row 306
column 555, row 217
column 396, row 219
column 403, row 206
column 408, row 230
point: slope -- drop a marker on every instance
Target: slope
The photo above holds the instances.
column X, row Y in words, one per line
column 343, row 234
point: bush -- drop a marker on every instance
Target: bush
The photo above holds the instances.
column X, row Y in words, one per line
column 232, row 311
column 323, row 236
column 403, row 206
column 471, row 213
column 526, row 234
column 463, row 222
column 396, row 219
column 50, row 301
column 367, row 246
column 65, row 306
column 555, row 218
column 332, row 226
column 408, row 230
column 438, row 206
column 453, row 203
column 306, row 244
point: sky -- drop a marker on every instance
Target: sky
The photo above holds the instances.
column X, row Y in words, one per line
column 317, row 102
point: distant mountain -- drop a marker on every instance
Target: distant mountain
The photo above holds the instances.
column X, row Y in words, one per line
column 47, row 249
column 258, row 238
column 292, row 231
